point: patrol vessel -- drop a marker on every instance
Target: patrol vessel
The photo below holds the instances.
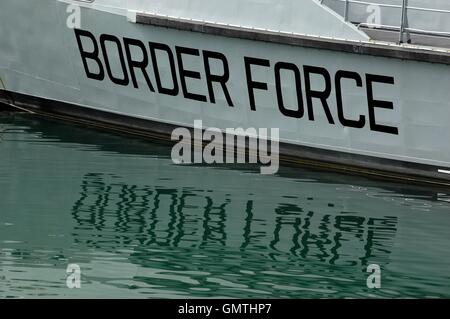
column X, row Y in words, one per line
column 356, row 85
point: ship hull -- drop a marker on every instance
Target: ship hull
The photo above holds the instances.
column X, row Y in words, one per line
column 365, row 113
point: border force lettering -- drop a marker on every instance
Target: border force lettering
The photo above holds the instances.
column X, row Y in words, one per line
column 314, row 86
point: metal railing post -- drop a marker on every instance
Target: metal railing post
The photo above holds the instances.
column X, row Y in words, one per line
column 402, row 22
column 346, row 10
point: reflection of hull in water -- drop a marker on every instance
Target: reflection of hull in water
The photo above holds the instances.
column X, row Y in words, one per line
column 292, row 227
column 162, row 217
column 381, row 125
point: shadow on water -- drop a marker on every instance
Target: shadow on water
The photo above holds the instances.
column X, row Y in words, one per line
column 162, row 230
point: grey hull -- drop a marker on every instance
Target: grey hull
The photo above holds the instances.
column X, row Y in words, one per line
column 338, row 99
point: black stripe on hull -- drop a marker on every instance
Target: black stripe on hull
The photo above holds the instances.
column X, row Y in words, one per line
column 289, row 153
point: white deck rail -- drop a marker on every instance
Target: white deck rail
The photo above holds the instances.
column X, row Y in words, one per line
column 425, row 17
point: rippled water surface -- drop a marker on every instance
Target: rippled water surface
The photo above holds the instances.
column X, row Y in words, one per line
column 140, row 226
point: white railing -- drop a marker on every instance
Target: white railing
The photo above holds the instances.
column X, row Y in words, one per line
column 397, row 15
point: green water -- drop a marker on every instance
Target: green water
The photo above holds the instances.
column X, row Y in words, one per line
column 140, row 226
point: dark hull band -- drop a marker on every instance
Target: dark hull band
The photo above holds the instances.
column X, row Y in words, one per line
column 362, row 48
column 289, row 153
